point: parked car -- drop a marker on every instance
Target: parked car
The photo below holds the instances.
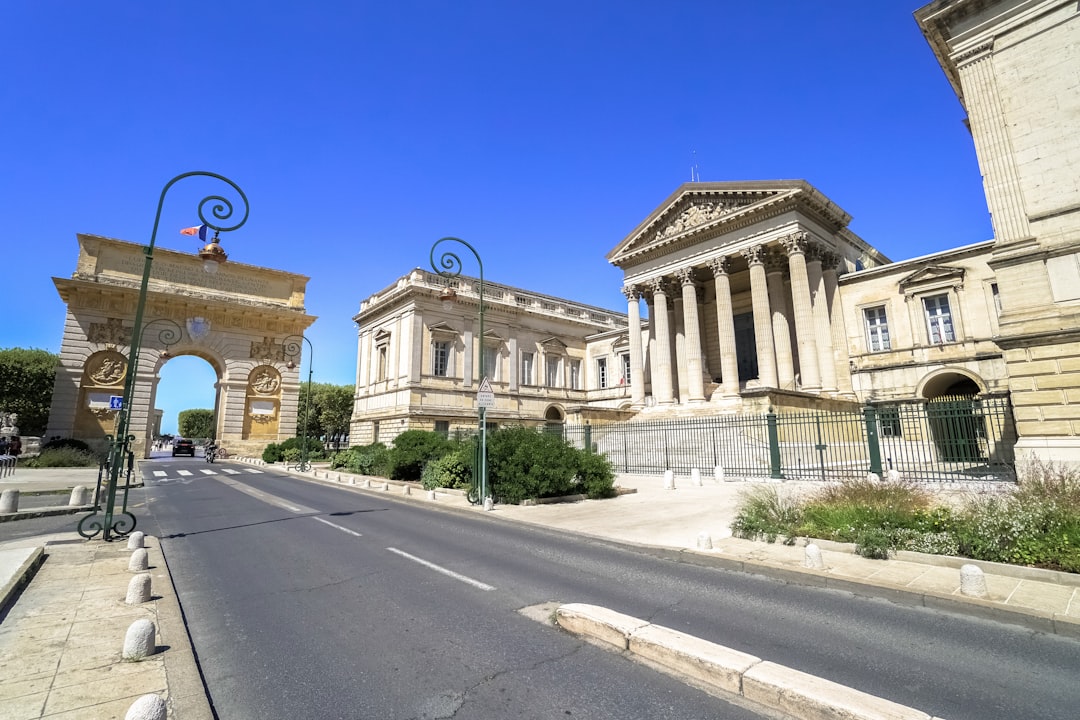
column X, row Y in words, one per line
column 183, row 447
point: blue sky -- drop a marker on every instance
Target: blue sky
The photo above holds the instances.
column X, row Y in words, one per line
column 542, row 133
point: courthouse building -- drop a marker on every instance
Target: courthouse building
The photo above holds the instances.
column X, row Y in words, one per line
column 745, row 296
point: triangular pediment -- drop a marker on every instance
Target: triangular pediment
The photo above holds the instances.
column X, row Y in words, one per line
column 697, row 209
column 442, row 328
column 933, row 275
column 553, row 344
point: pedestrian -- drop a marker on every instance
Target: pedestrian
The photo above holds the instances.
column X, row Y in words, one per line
column 15, row 446
column 3, row 446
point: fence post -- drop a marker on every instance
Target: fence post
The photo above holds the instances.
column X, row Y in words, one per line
column 774, row 447
column 588, row 437
column 873, row 446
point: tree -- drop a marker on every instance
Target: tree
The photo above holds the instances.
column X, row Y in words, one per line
column 26, row 386
column 331, row 410
column 196, row 423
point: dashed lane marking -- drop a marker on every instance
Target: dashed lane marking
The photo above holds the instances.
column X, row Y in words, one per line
column 441, row 569
column 342, row 529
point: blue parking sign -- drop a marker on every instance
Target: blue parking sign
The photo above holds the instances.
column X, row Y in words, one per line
column 116, row 402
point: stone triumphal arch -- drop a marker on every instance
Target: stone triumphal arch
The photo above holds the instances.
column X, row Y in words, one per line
column 245, row 321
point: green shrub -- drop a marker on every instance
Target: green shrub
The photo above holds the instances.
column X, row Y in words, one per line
column 453, row 470
column 272, row 453
column 66, row 443
column 290, row 455
column 524, row 463
column 594, row 475
column 764, row 512
column 363, row 460
column 412, row 450
column 63, row 456
column 874, row 543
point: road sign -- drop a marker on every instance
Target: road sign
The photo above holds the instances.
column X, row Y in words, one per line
column 116, row 402
column 485, row 397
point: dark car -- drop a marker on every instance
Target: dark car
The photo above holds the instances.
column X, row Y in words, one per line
column 183, row 447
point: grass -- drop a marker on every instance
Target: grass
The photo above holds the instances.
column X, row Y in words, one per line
column 62, row 457
column 1037, row 525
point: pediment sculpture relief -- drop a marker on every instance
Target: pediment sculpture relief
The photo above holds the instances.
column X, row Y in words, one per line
column 695, row 215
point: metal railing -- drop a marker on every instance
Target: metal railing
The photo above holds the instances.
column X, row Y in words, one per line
column 947, row 440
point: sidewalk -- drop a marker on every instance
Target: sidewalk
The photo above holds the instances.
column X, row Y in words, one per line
column 61, row 641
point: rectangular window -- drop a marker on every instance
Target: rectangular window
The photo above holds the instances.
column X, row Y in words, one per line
column 889, row 416
column 939, row 324
column 526, row 368
column 374, row 431
column 625, row 360
column 381, row 372
column 601, row 372
column 440, row 358
column 442, row 427
column 552, row 368
column 575, row 374
column 997, row 298
column 491, row 358
column 877, row 329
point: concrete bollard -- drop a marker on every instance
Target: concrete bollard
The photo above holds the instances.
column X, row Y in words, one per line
column 812, row 557
column 406, row 490
column 135, row 540
column 893, row 475
column 489, row 504
column 386, row 486
column 873, row 477
column 704, row 541
column 972, row 581
column 140, row 561
column 80, row 495
column 430, row 494
column 669, row 480
column 139, row 640
column 9, row 501
column 718, row 473
column 695, row 477
column 352, row 480
column 367, row 482
column 148, row 707
column 138, row 590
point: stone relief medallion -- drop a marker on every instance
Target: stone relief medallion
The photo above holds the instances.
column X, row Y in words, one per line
column 108, row 368
column 265, row 380
column 198, row 328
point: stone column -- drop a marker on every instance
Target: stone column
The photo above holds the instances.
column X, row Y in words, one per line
column 822, row 327
column 467, row 364
column 795, row 244
column 661, row 359
column 725, row 323
column 694, row 376
column 759, row 292
column 678, row 343
column 836, row 322
column 515, row 361
column 637, row 373
column 781, row 330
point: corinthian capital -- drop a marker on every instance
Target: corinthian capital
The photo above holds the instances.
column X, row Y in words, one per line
column 720, row 265
column 631, row 292
column 755, row 255
column 657, row 285
column 685, row 276
column 796, row 242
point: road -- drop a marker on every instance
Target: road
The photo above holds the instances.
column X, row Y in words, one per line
column 309, row 600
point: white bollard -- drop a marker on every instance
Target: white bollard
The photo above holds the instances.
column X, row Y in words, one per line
column 430, row 494
column 718, row 473
column 704, row 541
column 812, row 557
column 9, row 501
column 140, row 561
column 80, row 495
column 138, row 590
column 139, row 640
column 352, row 480
column 406, row 490
column 386, row 486
column 135, row 540
column 873, row 477
column 367, row 482
column 893, row 475
column 148, row 707
column 972, row 581
column 669, row 480
column 489, row 503
column 695, row 477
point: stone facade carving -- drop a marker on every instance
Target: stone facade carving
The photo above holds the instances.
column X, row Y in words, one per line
column 110, row 332
column 696, row 214
column 265, row 380
column 267, row 349
column 107, row 368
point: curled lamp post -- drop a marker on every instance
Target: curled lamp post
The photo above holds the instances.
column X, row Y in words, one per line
column 449, row 266
column 292, row 348
column 212, row 255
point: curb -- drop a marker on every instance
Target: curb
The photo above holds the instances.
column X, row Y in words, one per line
column 776, row 687
column 35, row 556
column 44, row 512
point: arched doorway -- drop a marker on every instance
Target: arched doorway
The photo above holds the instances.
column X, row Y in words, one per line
column 239, row 320
column 953, row 412
column 554, row 418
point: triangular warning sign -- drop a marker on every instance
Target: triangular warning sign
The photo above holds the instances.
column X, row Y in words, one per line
column 485, row 385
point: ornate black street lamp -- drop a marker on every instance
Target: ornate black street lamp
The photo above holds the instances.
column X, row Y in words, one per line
column 292, row 349
column 212, row 255
column 449, row 266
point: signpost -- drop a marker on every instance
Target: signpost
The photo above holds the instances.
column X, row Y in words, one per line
column 116, row 402
column 485, row 397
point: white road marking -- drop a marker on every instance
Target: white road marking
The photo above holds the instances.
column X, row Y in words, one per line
column 160, row 473
column 185, row 473
column 342, row 529
column 230, row 471
column 208, row 472
column 267, row 497
column 253, row 470
column 440, row 569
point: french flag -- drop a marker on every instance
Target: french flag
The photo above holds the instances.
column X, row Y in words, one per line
column 199, row 230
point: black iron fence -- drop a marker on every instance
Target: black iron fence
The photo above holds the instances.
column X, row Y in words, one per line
column 946, row 440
